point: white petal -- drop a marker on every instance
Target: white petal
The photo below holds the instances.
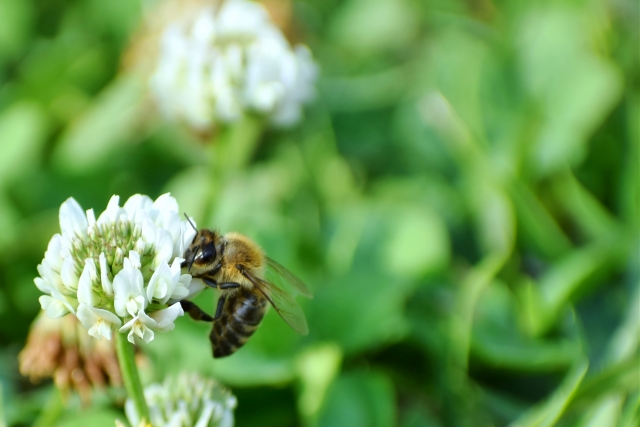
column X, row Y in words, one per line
column 140, row 246
column 68, row 274
column 188, row 233
column 176, row 266
column 166, row 203
column 86, row 294
column 163, row 247
column 179, row 293
column 132, row 413
column 133, row 261
column 87, row 317
column 135, row 304
column 72, row 219
column 181, row 290
column 107, row 287
column 195, row 287
column 128, row 285
column 50, row 276
column 97, row 321
column 112, row 212
column 118, row 259
column 227, row 418
column 43, row 286
column 137, row 208
column 53, row 255
column 148, row 231
column 171, row 222
column 140, row 325
column 160, row 282
column 206, row 413
column 146, row 320
column 53, row 306
column 167, row 316
column 91, row 218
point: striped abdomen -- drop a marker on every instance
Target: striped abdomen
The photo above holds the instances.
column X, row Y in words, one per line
column 242, row 312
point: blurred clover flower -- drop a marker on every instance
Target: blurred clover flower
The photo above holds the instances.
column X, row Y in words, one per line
column 227, row 60
column 62, row 350
column 121, row 270
column 186, row 400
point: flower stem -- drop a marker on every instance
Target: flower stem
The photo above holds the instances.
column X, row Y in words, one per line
column 129, row 370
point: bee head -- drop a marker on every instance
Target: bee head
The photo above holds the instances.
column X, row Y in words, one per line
column 202, row 251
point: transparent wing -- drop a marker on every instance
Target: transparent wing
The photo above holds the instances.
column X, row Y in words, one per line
column 278, row 274
column 283, row 302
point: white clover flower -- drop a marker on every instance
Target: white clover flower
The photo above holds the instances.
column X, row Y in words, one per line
column 186, row 400
column 222, row 62
column 119, row 271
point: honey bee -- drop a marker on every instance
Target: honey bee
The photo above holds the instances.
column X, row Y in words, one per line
column 238, row 267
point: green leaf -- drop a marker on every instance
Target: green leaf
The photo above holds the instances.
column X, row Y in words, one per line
column 498, row 341
column 9, row 217
column 23, row 128
column 461, row 324
column 396, row 24
column 418, row 242
column 372, row 309
column 249, row 366
column 625, row 342
column 575, row 87
column 16, row 19
column 630, row 416
column 360, row 399
column 317, row 367
column 549, row 412
column 108, row 124
column 98, row 417
column 588, row 211
column 566, row 277
column 536, row 225
column 3, row 418
column 494, row 214
column 604, row 413
column 190, row 187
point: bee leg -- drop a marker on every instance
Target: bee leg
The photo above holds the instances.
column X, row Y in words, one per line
column 221, row 301
column 210, row 282
column 230, row 285
column 195, row 312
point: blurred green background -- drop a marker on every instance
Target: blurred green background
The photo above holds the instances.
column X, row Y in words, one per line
column 462, row 197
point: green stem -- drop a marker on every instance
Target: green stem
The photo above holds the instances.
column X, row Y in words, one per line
column 129, row 370
column 52, row 410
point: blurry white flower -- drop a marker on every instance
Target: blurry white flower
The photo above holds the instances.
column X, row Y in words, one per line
column 187, row 400
column 225, row 61
column 122, row 268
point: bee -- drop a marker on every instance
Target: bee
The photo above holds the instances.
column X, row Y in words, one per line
column 238, row 267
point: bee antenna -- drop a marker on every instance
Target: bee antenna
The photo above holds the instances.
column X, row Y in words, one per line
column 193, row 259
column 190, row 222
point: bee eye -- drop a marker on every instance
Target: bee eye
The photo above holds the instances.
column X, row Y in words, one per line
column 208, row 253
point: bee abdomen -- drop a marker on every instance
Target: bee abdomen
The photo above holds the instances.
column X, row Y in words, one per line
column 240, row 318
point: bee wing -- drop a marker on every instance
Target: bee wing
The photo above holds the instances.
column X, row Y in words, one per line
column 283, row 302
column 298, row 285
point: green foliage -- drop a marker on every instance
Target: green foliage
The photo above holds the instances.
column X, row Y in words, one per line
column 463, row 198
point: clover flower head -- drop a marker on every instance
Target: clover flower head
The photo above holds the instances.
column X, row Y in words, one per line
column 61, row 349
column 186, row 400
column 121, row 270
column 222, row 62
